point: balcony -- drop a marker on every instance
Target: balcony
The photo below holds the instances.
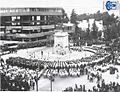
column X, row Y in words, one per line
column 30, row 27
column 34, row 35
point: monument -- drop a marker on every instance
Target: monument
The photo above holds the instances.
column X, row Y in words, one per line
column 61, row 43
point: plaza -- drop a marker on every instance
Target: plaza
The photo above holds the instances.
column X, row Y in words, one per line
column 62, row 81
column 48, row 55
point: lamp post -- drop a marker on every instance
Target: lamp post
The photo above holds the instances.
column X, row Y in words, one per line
column 36, row 77
column 51, row 78
column 51, row 84
column 36, row 80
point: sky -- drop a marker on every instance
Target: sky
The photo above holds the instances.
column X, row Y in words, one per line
column 80, row 6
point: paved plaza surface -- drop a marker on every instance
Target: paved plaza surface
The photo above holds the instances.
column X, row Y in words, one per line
column 48, row 55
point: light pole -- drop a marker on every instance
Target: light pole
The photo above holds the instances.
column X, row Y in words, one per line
column 51, row 78
column 37, row 76
column 51, row 85
column 36, row 80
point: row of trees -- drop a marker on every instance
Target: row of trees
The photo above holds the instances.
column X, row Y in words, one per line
column 111, row 26
column 81, row 34
column 110, row 22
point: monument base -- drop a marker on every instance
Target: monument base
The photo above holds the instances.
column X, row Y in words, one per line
column 61, row 43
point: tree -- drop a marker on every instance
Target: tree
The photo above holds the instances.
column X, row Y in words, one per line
column 83, row 17
column 99, row 34
column 118, row 28
column 88, row 31
column 65, row 18
column 114, row 31
column 109, row 23
column 94, row 33
column 59, row 19
column 73, row 17
column 55, row 19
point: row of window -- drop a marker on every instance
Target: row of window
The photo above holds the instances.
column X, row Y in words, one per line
column 27, row 31
column 32, row 17
column 32, row 23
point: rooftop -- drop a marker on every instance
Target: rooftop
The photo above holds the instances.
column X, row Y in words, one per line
column 31, row 11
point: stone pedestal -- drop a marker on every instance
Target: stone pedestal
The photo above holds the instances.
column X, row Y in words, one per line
column 61, row 44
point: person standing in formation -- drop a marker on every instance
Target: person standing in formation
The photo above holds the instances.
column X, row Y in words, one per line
column 42, row 54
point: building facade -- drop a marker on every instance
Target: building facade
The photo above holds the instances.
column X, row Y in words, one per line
column 28, row 24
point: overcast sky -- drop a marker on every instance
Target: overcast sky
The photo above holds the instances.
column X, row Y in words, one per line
column 80, row 6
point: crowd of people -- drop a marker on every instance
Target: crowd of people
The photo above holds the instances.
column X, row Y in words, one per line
column 73, row 67
column 31, row 44
column 94, row 74
column 111, row 87
column 24, row 63
column 15, row 78
column 20, row 73
column 61, row 68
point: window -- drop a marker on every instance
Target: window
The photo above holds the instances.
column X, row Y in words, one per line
column 38, row 17
column 16, row 10
column 32, row 17
column 13, row 18
column 13, row 23
column 59, row 10
column 14, row 31
column 18, row 23
column 38, row 23
column 27, row 9
column 19, row 31
column 8, row 31
column 42, row 17
column 33, row 23
column 45, row 18
column 18, row 17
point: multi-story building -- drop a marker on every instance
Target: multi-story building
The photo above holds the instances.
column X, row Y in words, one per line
column 28, row 24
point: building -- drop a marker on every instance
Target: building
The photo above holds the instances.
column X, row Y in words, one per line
column 28, row 24
column 84, row 24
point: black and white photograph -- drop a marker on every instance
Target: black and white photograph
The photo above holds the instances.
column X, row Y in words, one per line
column 60, row 45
